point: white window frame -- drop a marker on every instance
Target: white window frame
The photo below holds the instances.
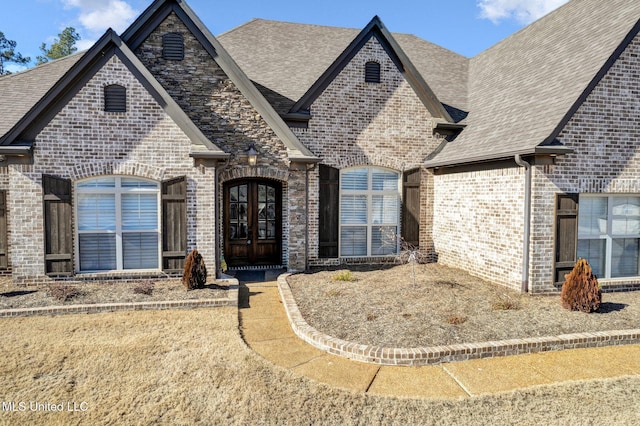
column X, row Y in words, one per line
column 608, row 236
column 118, row 191
column 370, row 192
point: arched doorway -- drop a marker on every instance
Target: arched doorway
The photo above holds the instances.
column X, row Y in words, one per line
column 253, row 222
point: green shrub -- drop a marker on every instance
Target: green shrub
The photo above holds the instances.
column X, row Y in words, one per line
column 344, row 276
column 580, row 290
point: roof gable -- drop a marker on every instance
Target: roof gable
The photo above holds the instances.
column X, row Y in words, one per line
column 376, row 29
column 159, row 10
column 27, row 129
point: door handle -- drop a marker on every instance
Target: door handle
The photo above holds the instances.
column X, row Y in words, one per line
column 248, row 242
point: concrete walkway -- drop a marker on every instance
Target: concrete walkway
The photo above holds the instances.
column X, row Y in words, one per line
column 265, row 327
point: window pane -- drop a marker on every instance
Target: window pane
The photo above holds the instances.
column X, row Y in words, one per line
column 384, row 209
column 383, row 180
column 594, row 252
column 96, row 212
column 97, row 252
column 624, row 257
column 138, row 183
column 106, row 182
column 355, row 179
column 384, row 240
column 592, row 216
column 625, row 216
column 353, row 209
column 140, row 250
column 353, row 241
column 139, row 211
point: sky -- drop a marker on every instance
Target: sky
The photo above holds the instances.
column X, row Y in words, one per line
column 466, row 27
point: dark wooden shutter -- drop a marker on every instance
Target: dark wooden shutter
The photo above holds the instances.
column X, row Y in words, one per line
column 4, row 245
column 173, row 47
column 328, row 219
column 58, row 227
column 174, row 224
column 372, row 72
column 115, row 98
column 411, row 207
column 566, row 235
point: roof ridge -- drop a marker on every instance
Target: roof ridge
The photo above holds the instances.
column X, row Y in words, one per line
column 237, row 27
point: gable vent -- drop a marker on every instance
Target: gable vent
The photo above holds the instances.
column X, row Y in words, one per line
column 115, row 98
column 372, row 72
column 173, row 47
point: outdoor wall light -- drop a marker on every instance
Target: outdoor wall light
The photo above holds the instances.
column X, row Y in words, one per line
column 252, row 155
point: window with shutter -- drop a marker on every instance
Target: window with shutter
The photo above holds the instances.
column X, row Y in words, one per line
column 372, row 72
column 173, row 47
column 328, row 215
column 115, row 98
column 118, row 224
column 58, row 229
column 174, row 224
column 369, row 211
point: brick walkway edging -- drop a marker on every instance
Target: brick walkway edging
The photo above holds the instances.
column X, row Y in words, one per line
column 230, row 300
column 438, row 354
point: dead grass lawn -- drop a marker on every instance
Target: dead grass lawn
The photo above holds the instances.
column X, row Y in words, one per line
column 191, row 367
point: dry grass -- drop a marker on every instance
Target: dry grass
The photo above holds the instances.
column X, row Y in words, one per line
column 445, row 306
column 191, row 367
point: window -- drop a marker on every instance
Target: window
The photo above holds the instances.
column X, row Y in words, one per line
column 115, row 98
column 173, row 47
column 609, row 234
column 369, row 211
column 118, row 224
column 372, row 72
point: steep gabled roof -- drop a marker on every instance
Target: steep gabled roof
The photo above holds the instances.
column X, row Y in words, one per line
column 20, row 92
column 523, row 89
column 286, row 59
column 160, row 9
column 376, row 29
column 25, row 130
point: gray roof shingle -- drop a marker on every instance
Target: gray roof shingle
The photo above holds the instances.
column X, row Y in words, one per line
column 21, row 91
column 521, row 88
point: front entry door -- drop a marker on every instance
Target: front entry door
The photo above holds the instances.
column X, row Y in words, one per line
column 253, row 222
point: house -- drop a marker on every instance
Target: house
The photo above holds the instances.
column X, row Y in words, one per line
column 291, row 145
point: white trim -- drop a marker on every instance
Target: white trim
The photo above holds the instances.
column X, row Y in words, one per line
column 117, row 190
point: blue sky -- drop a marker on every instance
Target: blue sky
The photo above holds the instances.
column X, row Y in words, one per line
column 464, row 26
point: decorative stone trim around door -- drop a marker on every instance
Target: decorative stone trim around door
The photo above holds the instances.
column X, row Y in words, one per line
column 439, row 354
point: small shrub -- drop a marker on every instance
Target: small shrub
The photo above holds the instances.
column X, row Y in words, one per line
column 334, row 292
column 371, row 317
column 195, row 271
column 144, row 287
column 505, row 303
column 580, row 290
column 64, row 292
column 344, row 276
column 456, row 319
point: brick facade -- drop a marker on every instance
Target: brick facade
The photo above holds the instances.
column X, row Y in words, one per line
column 604, row 134
column 355, row 123
column 478, row 223
column 83, row 141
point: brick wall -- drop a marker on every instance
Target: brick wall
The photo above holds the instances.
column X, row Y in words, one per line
column 84, row 141
column 225, row 116
column 605, row 135
column 478, row 223
column 357, row 123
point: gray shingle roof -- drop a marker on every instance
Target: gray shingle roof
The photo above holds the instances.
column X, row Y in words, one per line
column 287, row 58
column 521, row 88
column 21, row 91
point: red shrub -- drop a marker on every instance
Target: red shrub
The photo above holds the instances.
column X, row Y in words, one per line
column 195, row 272
column 580, row 291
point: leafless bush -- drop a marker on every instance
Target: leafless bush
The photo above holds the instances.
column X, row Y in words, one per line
column 144, row 287
column 64, row 292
